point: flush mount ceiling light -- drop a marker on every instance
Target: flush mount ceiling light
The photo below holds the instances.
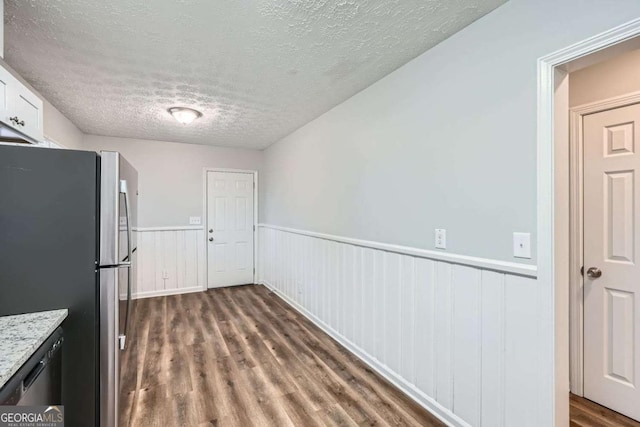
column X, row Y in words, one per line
column 184, row 115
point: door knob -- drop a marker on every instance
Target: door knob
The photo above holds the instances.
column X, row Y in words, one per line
column 211, row 239
column 594, row 272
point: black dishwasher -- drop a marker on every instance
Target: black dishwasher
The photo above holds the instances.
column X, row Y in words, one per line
column 38, row 381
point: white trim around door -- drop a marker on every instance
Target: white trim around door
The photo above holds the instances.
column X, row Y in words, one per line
column 554, row 217
column 255, row 216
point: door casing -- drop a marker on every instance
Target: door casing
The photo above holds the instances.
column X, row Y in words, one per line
column 255, row 217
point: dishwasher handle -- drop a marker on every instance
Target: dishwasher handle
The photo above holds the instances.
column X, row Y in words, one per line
column 33, row 375
column 27, row 383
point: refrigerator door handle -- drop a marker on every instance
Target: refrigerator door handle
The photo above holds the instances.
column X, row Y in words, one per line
column 122, row 338
column 126, row 264
column 123, row 190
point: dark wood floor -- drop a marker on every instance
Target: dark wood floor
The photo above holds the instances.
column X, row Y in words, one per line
column 242, row 357
column 585, row 413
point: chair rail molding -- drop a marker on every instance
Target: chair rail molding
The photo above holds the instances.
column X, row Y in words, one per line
column 168, row 228
column 521, row 269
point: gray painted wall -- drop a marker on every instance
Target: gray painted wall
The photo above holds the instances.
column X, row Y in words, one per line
column 170, row 174
column 446, row 141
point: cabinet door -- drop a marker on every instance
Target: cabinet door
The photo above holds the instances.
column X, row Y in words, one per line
column 27, row 108
column 6, row 81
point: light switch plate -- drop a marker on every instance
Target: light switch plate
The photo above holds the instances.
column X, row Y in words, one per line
column 195, row 220
column 441, row 238
column 522, row 245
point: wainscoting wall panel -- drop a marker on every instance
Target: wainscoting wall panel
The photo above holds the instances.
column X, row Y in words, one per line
column 458, row 335
column 171, row 260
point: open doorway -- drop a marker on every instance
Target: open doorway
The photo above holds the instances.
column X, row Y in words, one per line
column 604, row 111
column 589, row 211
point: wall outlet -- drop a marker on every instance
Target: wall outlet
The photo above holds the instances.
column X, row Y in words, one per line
column 195, row 220
column 522, row 245
column 441, row 238
column 165, row 274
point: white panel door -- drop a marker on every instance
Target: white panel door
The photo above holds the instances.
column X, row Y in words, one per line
column 229, row 228
column 611, row 301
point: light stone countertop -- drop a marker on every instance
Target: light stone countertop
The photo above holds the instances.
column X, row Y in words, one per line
column 21, row 335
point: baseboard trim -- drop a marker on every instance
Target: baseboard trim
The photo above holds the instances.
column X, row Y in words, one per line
column 165, row 292
column 416, row 395
column 520, row 269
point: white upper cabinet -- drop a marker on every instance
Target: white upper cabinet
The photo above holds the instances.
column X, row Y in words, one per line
column 26, row 109
column 6, row 80
column 20, row 108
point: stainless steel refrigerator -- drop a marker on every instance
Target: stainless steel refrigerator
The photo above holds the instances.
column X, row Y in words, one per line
column 67, row 240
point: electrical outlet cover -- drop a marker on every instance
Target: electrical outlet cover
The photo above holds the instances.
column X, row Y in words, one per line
column 440, row 238
column 522, row 245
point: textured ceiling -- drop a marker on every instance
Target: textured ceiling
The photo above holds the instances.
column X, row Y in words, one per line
column 257, row 69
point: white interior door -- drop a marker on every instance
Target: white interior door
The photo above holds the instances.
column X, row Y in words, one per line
column 229, row 228
column 612, row 301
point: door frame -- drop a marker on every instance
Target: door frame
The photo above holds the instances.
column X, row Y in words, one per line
column 205, row 217
column 576, row 232
column 554, row 214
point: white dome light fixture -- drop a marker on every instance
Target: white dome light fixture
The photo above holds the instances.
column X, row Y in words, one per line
column 184, row 115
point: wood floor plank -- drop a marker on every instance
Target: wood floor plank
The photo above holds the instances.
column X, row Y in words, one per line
column 244, row 407
column 369, row 383
column 586, row 413
column 352, row 374
column 210, row 325
column 236, row 350
column 207, row 382
column 320, row 374
column 179, row 380
column 299, row 412
column 154, row 368
column 127, row 403
column 335, row 415
column 152, row 408
column 134, row 355
column 242, row 357
column 278, row 377
column 191, row 305
column 264, row 395
column 288, row 355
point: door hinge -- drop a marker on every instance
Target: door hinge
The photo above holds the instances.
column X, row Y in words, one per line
column 582, row 271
